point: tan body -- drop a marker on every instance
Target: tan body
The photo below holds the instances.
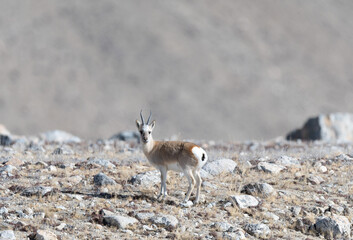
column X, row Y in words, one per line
column 174, row 152
column 178, row 156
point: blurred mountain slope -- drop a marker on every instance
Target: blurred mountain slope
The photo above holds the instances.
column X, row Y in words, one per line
column 231, row 70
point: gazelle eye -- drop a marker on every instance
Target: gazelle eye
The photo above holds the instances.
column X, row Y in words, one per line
column 141, row 132
column 149, row 132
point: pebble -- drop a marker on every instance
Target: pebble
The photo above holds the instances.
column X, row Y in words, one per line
column 245, row 201
column 258, row 230
column 101, row 179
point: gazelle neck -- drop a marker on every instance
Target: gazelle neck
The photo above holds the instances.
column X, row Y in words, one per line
column 147, row 147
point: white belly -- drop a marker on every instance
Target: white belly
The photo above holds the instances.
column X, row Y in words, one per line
column 175, row 167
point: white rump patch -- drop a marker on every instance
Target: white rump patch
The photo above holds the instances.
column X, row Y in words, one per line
column 201, row 155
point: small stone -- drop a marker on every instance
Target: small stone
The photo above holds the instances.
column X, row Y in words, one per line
column 3, row 210
column 38, row 190
column 287, row 161
column 245, row 201
column 315, row 180
column 57, row 151
column 41, row 163
column 8, row 169
column 28, row 211
column 52, row 168
column 270, row 167
column 166, row 221
column 119, row 221
column 296, row 210
column 102, row 162
column 101, row 179
column 74, row 179
column 322, row 169
column 271, row 216
column 258, row 189
column 61, row 226
column 144, row 216
column 258, row 230
column 220, row 166
column 186, row 204
column 7, row 235
column 222, row 226
column 45, row 235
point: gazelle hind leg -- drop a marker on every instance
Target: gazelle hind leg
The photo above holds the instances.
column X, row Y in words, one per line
column 198, row 185
column 191, row 180
column 163, row 191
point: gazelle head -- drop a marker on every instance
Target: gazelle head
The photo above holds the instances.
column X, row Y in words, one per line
column 145, row 129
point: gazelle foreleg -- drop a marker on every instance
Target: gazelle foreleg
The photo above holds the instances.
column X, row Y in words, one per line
column 163, row 191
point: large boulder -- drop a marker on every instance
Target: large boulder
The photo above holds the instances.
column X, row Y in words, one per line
column 333, row 227
column 326, row 127
column 220, row 166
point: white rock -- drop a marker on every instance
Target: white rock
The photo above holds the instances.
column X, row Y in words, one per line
column 8, row 169
column 37, row 190
column 322, row 169
column 52, row 168
column 147, row 179
column 143, row 216
column 245, row 201
column 287, row 161
column 270, row 167
column 258, row 189
column 272, row 216
column 102, row 162
column 119, row 221
column 3, row 210
column 205, row 175
column 59, row 137
column 45, row 235
column 315, row 180
column 60, row 227
column 164, row 220
column 335, row 226
column 219, row 166
column 258, row 230
column 222, row 226
column 186, row 204
column 7, row 235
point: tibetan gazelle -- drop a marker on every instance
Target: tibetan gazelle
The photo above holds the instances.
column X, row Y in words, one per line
column 178, row 156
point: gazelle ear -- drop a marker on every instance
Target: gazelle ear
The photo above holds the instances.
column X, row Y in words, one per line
column 138, row 124
column 153, row 123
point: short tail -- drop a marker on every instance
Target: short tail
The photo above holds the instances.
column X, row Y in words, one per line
column 201, row 155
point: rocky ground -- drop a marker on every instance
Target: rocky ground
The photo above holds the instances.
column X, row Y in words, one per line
column 56, row 186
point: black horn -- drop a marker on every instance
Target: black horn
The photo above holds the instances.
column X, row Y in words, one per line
column 143, row 122
column 148, row 120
